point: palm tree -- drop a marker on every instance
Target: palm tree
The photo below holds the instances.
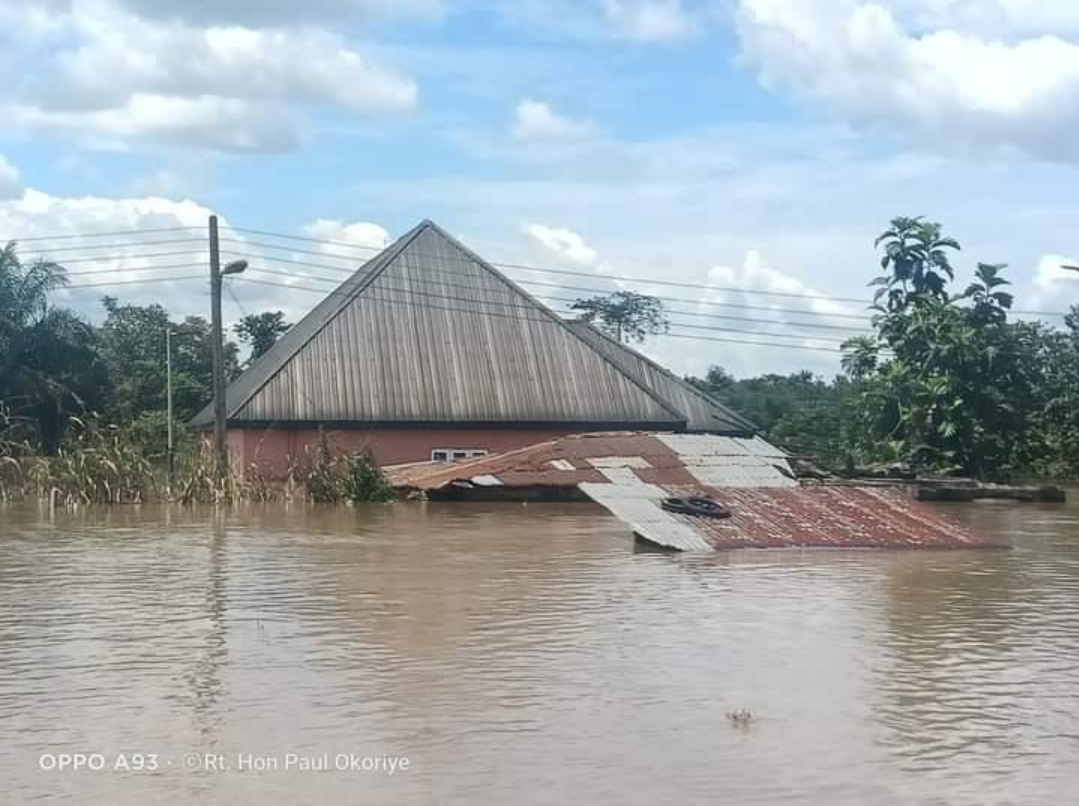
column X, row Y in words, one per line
column 49, row 369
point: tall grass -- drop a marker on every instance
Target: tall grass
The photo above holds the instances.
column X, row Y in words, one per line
column 109, row 465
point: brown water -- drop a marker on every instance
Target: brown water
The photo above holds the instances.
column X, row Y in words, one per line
column 529, row 655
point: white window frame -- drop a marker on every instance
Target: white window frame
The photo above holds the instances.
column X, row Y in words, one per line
column 457, row 454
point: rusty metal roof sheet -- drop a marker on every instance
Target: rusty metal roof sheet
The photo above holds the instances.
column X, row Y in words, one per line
column 429, row 332
column 631, row 473
column 703, row 413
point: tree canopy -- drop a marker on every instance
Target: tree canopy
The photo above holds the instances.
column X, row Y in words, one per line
column 948, row 382
column 625, row 315
column 261, row 331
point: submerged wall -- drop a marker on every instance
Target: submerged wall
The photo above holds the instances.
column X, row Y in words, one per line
column 273, row 450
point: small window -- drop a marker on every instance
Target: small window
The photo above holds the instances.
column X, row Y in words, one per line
column 456, row 454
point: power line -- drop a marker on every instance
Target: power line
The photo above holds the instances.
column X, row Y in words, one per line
column 591, row 275
column 140, row 244
column 583, row 289
column 171, row 267
column 133, row 282
column 547, row 297
column 523, row 318
column 102, row 258
column 112, row 234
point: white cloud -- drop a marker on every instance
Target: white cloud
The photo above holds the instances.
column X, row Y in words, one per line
column 9, row 178
column 122, row 56
column 536, row 121
column 113, row 75
column 358, row 233
column 565, row 243
column 276, row 12
column 225, row 124
column 357, row 241
column 80, row 233
column 63, row 230
column 1052, row 288
column 649, row 20
column 871, row 62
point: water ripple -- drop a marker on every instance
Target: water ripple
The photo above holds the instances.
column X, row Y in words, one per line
column 531, row 655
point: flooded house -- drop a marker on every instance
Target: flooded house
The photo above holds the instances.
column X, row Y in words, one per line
column 428, row 353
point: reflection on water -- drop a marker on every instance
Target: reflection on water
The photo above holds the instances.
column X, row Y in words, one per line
column 530, row 655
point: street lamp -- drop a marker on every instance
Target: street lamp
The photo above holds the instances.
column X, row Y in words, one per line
column 221, row 456
column 1066, row 267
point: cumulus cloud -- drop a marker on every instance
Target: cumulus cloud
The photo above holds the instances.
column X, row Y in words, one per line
column 357, row 240
column 873, row 63
column 537, row 121
column 564, row 243
column 9, row 178
column 224, row 124
column 1053, row 287
column 110, row 74
column 69, row 231
column 649, row 20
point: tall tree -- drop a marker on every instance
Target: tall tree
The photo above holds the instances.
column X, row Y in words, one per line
column 947, row 378
column 133, row 348
column 261, row 331
column 49, row 369
column 625, row 315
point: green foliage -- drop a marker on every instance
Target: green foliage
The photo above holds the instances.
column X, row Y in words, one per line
column 95, row 465
column 624, row 315
column 261, row 331
column 364, row 482
column 323, row 478
column 132, row 345
column 948, row 383
column 801, row 412
column 49, row 368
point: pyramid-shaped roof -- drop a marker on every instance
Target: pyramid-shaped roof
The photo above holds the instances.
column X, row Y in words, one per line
column 703, row 413
column 428, row 332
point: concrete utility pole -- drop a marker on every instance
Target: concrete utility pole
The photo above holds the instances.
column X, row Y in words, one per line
column 221, row 455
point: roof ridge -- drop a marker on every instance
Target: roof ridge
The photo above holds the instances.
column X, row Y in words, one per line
column 662, row 369
column 558, row 320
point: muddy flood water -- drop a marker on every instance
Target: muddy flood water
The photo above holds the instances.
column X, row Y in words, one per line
column 501, row 654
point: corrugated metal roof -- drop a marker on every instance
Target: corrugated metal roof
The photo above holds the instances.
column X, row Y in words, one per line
column 428, row 332
column 630, row 474
column 703, row 413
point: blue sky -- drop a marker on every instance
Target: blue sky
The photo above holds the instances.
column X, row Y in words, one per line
column 756, row 145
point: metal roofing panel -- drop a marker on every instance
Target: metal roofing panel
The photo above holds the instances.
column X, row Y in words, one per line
column 741, row 475
column 646, row 518
column 687, row 445
column 829, row 517
column 703, row 412
column 428, row 332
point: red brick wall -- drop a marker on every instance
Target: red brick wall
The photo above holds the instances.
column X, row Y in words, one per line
column 273, row 449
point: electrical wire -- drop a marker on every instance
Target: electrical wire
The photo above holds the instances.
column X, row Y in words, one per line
column 133, row 282
column 140, row 244
column 171, row 267
column 599, row 291
column 591, row 275
column 103, row 258
column 527, row 306
column 112, row 234
column 381, row 297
